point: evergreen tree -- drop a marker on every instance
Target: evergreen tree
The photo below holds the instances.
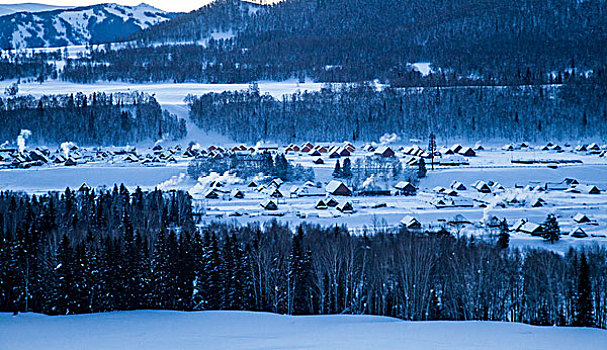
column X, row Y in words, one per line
column 212, row 287
column 346, row 171
column 584, row 303
column 503, row 240
column 550, row 229
column 300, row 274
column 337, row 170
column 432, row 148
column 65, row 273
column 421, row 168
column 282, row 167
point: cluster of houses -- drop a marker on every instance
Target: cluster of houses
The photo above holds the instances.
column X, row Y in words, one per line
column 73, row 155
column 328, row 197
column 451, row 197
column 333, row 195
column 592, row 148
column 568, row 185
column 333, row 151
column 580, row 222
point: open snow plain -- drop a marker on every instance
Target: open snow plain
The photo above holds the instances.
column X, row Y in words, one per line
column 247, row 330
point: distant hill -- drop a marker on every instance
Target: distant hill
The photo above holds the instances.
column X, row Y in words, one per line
column 219, row 19
column 484, row 42
column 74, row 26
column 8, row 9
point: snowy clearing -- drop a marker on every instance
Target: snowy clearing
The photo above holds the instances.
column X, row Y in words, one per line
column 247, row 330
column 166, row 93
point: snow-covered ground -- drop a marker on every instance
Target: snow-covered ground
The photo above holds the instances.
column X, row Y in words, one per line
column 42, row 180
column 247, row 330
column 166, row 93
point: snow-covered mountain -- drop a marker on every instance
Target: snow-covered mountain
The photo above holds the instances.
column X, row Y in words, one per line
column 75, row 26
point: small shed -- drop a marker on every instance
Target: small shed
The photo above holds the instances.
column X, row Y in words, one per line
column 331, row 202
column 345, row 207
column 269, row 204
column 321, row 205
column 236, row 193
column 578, row 232
column 581, row 218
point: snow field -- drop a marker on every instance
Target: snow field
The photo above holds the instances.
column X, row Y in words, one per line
column 152, row 330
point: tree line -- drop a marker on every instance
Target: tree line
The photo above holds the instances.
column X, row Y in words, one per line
column 16, row 65
column 250, row 165
column 99, row 118
column 363, row 112
column 83, row 251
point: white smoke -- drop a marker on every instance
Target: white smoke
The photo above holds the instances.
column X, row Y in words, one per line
column 388, row 139
column 159, row 142
column 66, row 147
column 22, row 138
column 204, row 183
column 172, row 182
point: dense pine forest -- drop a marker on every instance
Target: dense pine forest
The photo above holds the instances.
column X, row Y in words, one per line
column 492, row 42
column 99, row 119
column 15, row 65
column 91, row 251
column 362, row 112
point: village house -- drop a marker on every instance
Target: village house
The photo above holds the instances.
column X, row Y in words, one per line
column 482, row 187
column 456, row 185
column 530, row 228
column 338, row 188
column 467, row 152
column 405, row 188
column 456, row 148
column 410, row 223
column 458, row 220
column 384, row 151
